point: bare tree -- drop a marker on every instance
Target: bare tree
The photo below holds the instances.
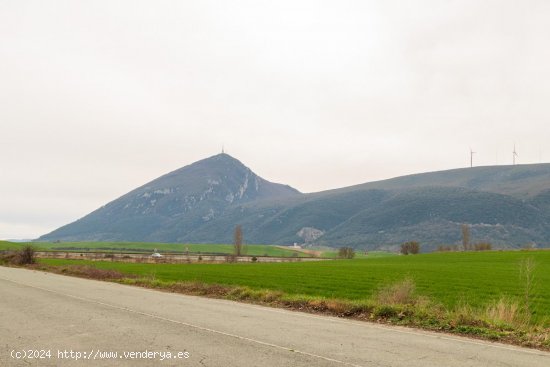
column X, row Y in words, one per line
column 27, row 255
column 238, row 241
column 411, row 247
column 466, row 237
column 414, row 247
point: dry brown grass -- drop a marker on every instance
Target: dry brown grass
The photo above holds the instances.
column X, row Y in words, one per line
column 8, row 257
column 84, row 271
column 271, row 296
column 338, row 307
column 400, row 293
column 506, row 311
column 200, row 289
column 464, row 314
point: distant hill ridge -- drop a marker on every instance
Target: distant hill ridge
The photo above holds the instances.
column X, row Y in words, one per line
column 518, row 180
column 202, row 203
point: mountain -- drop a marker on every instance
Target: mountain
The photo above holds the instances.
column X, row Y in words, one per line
column 506, row 205
column 170, row 207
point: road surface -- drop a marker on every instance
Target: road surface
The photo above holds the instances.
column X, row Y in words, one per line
column 85, row 322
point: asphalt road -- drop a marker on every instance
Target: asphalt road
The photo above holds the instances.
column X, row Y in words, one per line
column 47, row 312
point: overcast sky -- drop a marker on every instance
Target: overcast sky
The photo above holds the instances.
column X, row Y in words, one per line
column 99, row 97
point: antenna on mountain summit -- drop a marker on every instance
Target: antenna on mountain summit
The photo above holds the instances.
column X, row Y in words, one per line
column 472, row 157
column 514, row 155
column 223, row 150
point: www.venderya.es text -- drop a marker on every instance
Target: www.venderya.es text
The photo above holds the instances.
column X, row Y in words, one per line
column 96, row 354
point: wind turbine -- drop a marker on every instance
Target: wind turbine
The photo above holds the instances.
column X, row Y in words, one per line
column 472, row 157
column 514, row 155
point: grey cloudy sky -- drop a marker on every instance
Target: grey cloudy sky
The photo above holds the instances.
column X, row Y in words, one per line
column 99, row 97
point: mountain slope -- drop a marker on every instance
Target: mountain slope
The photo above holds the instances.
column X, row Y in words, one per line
column 373, row 218
column 525, row 180
column 167, row 208
column 434, row 216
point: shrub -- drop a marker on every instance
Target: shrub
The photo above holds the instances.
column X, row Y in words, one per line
column 386, row 311
column 400, row 293
column 24, row 256
column 346, row 253
column 27, row 255
column 411, row 247
column 483, row 246
column 446, row 248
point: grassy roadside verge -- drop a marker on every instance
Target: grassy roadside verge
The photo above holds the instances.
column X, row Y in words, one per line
column 398, row 303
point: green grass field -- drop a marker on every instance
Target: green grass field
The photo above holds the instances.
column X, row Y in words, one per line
column 5, row 245
column 475, row 278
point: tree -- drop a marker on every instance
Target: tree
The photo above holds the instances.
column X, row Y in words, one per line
column 411, row 247
column 466, row 237
column 346, row 253
column 414, row 247
column 238, row 241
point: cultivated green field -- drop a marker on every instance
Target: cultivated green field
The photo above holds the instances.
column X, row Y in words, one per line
column 5, row 245
column 148, row 247
column 475, row 278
